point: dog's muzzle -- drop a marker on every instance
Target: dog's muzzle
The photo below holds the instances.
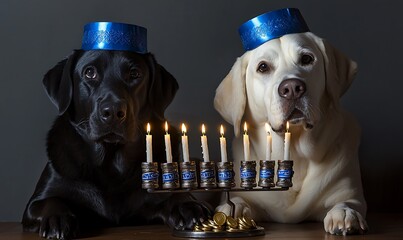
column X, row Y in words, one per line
column 292, row 92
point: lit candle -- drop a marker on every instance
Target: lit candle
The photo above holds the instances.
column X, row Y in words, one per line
column 185, row 145
column 287, row 140
column 206, row 157
column 223, row 145
column 246, row 143
column 268, row 142
column 149, row 144
column 168, row 149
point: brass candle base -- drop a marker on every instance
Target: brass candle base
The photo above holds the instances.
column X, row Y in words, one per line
column 207, row 175
column 284, row 173
column 188, row 175
column 170, row 176
column 248, row 174
column 225, row 174
column 149, row 175
column 266, row 174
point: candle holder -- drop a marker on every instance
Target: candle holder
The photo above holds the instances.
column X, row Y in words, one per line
column 188, row 173
column 170, row 176
column 226, row 175
column 284, row 173
column 149, row 175
column 207, row 175
column 248, row 174
column 266, row 174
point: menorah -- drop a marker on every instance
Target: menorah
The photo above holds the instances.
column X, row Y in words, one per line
column 210, row 176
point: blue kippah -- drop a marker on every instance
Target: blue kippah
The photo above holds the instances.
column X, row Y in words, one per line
column 271, row 25
column 114, row 36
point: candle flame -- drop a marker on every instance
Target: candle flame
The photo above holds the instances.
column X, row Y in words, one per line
column 166, row 127
column 203, row 129
column 245, row 128
column 288, row 126
column 267, row 126
column 222, row 131
column 148, row 128
column 183, row 129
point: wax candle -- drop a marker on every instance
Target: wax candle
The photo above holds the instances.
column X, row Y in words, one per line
column 268, row 142
column 206, row 157
column 246, row 150
column 185, row 144
column 223, row 145
column 287, row 140
column 168, row 150
column 149, row 144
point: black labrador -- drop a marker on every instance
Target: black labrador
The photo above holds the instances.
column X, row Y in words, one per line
column 96, row 146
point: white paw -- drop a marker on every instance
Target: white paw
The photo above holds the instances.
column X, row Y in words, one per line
column 342, row 220
column 241, row 208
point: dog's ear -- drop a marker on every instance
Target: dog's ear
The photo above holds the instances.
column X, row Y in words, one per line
column 230, row 97
column 58, row 83
column 339, row 69
column 163, row 86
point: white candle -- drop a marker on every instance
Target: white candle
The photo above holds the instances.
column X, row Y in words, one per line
column 223, row 145
column 268, row 142
column 246, row 150
column 185, row 145
column 287, row 140
column 149, row 144
column 206, row 157
column 168, row 149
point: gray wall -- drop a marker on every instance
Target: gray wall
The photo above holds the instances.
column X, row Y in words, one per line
column 197, row 42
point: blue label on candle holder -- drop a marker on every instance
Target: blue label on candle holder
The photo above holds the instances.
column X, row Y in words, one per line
column 168, row 177
column 207, row 174
column 284, row 173
column 188, row 175
column 149, row 176
column 266, row 173
column 248, row 174
column 225, row 175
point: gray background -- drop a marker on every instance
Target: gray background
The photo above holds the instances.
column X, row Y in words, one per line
column 197, row 42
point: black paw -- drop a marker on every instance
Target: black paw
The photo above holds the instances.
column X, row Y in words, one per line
column 58, row 227
column 186, row 214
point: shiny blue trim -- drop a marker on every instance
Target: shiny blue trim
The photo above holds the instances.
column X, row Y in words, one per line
column 271, row 25
column 114, row 36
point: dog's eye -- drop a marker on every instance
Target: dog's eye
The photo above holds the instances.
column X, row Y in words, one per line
column 306, row 59
column 90, row 73
column 263, row 67
column 134, row 73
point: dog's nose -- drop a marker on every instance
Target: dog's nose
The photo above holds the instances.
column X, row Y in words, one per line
column 111, row 113
column 292, row 89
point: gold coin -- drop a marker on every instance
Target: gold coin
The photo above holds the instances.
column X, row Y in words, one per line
column 211, row 222
column 248, row 220
column 206, row 229
column 220, row 218
column 232, row 222
column 253, row 223
column 206, row 224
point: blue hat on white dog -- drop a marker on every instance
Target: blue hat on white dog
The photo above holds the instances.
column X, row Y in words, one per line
column 271, row 25
column 114, row 36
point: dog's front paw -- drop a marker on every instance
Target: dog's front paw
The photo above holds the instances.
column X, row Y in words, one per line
column 186, row 214
column 342, row 220
column 58, row 227
column 240, row 208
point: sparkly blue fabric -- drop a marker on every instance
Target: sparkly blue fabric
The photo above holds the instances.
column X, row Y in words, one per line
column 271, row 25
column 114, row 36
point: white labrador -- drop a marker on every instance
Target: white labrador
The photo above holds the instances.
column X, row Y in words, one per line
column 298, row 78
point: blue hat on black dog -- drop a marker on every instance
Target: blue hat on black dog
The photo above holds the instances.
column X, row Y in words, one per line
column 114, row 36
column 271, row 25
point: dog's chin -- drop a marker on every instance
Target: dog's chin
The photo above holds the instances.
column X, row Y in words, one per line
column 295, row 118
